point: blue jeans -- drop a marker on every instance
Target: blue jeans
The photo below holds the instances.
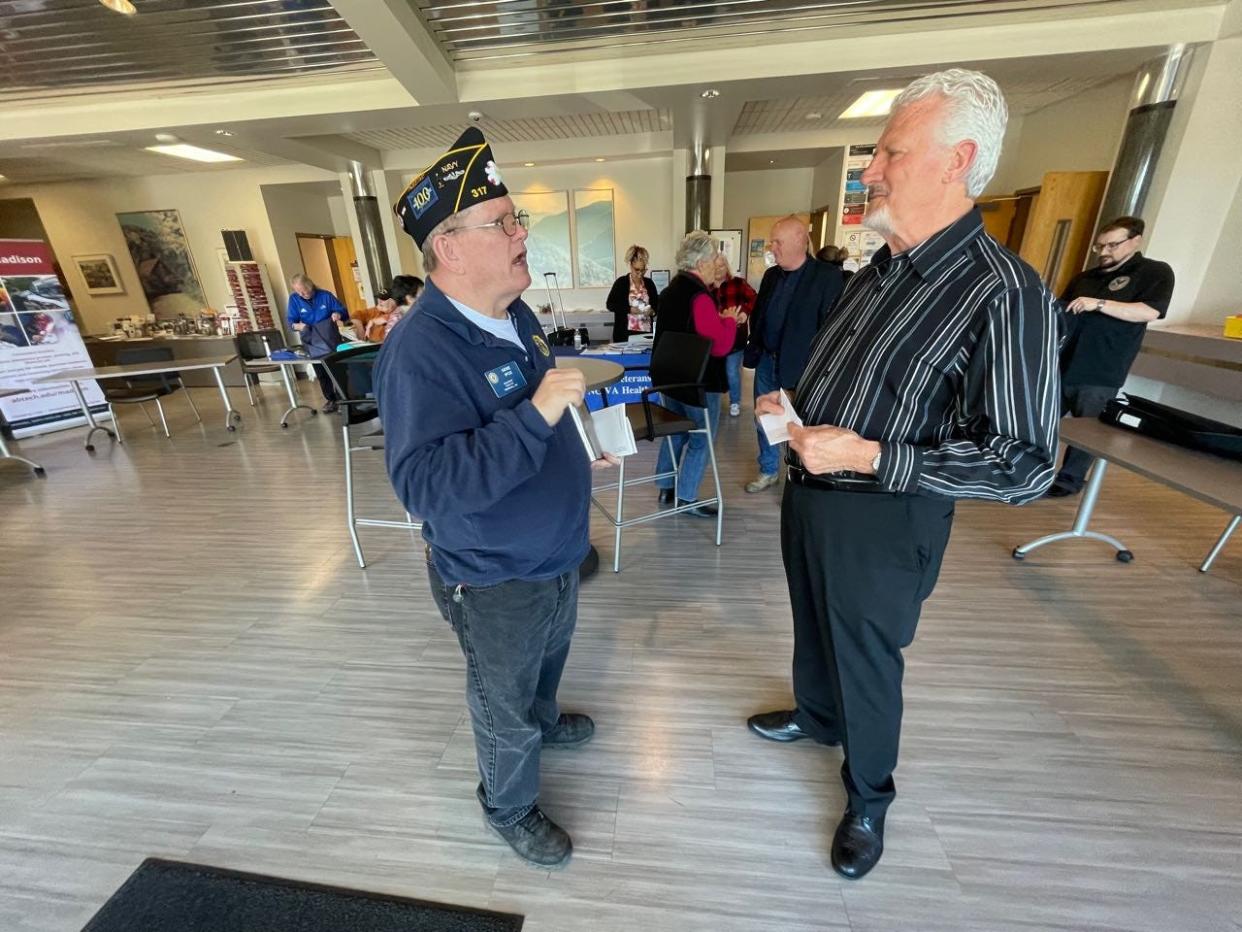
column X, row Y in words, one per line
column 693, row 464
column 515, row 638
column 733, row 369
column 765, row 381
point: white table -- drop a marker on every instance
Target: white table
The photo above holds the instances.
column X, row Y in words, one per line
column 76, row 376
column 4, row 449
column 286, row 375
column 1211, row 479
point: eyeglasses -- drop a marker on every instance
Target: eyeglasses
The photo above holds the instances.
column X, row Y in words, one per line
column 1097, row 248
column 509, row 223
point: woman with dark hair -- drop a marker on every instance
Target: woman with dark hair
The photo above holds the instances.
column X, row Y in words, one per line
column 632, row 299
column 405, row 290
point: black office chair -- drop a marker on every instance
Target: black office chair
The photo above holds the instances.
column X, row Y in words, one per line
column 143, row 388
column 351, row 373
column 253, row 346
column 678, row 365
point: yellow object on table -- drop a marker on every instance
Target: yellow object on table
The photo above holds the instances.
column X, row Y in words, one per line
column 1233, row 326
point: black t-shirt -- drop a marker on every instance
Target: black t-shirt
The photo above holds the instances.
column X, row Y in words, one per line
column 1100, row 349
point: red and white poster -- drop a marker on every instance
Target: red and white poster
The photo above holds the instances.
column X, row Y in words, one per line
column 38, row 337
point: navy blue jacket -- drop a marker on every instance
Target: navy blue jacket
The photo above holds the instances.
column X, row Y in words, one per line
column 815, row 295
column 501, row 494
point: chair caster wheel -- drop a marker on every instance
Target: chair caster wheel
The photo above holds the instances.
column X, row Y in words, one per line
column 40, row 472
column 284, row 426
column 90, row 448
column 1124, row 556
column 1017, row 554
column 314, row 413
column 232, row 427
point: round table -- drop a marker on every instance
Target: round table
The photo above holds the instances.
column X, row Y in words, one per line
column 600, row 373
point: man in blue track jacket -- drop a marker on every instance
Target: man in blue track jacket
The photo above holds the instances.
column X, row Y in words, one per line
column 479, row 445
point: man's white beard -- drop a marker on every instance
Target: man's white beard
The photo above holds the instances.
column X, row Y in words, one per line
column 879, row 220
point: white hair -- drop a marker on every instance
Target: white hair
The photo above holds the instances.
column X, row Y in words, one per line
column 301, row 279
column 695, row 248
column 976, row 111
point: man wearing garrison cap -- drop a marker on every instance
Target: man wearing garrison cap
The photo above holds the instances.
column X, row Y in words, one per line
column 477, row 443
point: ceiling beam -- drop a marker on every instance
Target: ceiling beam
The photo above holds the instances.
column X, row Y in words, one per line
column 394, row 31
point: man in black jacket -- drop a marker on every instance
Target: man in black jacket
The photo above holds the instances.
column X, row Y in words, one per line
column 795, row 297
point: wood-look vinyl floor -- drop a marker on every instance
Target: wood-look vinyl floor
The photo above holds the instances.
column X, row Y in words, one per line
column 192, row 666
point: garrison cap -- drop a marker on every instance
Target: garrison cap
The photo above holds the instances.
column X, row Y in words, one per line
column 463, row 176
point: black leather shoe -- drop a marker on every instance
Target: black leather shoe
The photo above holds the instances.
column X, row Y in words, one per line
column 537, row 839
column 857, row 845
column 703, row 511
column 666, row 496
column 1060, row 491
column 572, row 729
column 776, row 726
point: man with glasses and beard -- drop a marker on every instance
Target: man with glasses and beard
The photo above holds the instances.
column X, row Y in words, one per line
column 478, row 444
column 1111, row 305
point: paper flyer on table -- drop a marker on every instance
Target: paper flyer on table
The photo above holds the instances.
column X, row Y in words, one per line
column 776, row 426
column 604, row 431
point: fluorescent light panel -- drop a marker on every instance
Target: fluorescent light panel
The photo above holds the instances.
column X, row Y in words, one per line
column 871, row 104
column 184, row 150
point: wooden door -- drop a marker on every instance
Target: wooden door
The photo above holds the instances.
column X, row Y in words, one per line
column 998, row 214
column 317, row 260
column 347, row 270
column 1062, row 225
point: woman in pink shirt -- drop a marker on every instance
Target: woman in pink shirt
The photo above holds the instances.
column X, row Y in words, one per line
column 687, row 306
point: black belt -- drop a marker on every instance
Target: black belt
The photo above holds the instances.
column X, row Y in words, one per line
column 837, row 482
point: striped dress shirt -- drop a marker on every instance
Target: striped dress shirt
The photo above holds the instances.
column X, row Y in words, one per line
column 947, row 355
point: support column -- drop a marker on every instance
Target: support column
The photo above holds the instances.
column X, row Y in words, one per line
column 372, row 254
column 699, row 188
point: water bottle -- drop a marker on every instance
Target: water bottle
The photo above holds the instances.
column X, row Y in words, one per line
column 577, row 339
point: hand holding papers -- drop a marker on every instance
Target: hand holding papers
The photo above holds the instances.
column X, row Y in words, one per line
column 605, row 432
column 776, row 426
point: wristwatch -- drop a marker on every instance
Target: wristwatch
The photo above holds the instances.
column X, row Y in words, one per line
column 1099, row 305
column 875, row 463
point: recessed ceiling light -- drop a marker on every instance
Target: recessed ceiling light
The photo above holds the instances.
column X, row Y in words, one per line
column 601, row 160
column 529, row 164
column 814, row 115
column 771, row 161
column 3, row 178
column 223, row 132
column 120, row 6
column 195, row 153
column 871, row 104
column 710, row 94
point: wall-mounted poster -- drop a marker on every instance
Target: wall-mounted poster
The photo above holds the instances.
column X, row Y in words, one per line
column 38, row 336
column 99, row 274
column 597, row 248
column 547, row 247
column 161, row 253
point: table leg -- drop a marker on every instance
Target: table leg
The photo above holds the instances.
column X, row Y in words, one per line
column 90, row 418
column 1220, row 543
column 230, row 413
column 287, row 377
column 6, row 455
column 1085, row 509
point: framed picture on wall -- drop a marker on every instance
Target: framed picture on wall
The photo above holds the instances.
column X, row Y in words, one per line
column 547, row 247
column 597, row 249
column 160, row 249
column 99, row 274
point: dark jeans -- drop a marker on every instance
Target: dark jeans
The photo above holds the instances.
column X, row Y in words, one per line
column 515, row 638
column 859, row 567
column 325, row 382
column 1080, row 401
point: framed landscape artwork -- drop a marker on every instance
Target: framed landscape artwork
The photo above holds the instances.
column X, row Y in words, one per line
column 547, row 247
column 99, row 274
column 597, row 251
column 161, row 252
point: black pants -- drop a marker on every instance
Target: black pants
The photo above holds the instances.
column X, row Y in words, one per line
column 325, row 383
column 859, row 567
column 1080, row 401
